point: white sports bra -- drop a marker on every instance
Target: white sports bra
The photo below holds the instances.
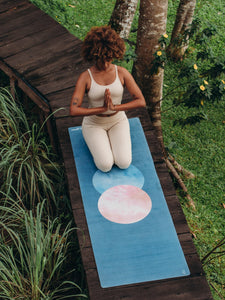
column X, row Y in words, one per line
column 97, row 91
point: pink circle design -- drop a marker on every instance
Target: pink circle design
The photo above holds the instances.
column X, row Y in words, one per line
column 124, row 204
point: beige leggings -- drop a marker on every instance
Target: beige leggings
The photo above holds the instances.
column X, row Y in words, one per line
column 108, row 139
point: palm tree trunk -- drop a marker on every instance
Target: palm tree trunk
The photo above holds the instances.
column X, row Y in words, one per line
column 152, row 25
column 122, row 16
column 184, row 16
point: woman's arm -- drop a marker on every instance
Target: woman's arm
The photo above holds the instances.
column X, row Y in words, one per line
column 77, row 99
column 134, row 90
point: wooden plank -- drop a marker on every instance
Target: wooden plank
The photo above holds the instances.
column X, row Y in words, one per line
column 61, row 99
column 62, row 125
column 89, row 260
column 67, row 62
column 25, row 44
column 43, row 54
column 28, row 90
column 165, row 179
column 29, row 25
column 177, row 215
column 8, row 5
column 16, row 15
column 192, row 288
column 42, row 71
column 57, row 76
column 43, row 50
column 18, row 18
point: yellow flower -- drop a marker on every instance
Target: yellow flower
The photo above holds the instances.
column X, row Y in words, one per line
column 202, row 87
column 195, row 67
column 159, row 53
column 206, row 82
column 165, row 36
column 223, row 81
column 202, row 102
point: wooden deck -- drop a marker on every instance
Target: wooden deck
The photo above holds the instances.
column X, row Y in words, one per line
column 44, row 60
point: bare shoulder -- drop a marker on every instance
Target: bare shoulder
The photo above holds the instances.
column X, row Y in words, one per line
column 124, row 75
column 84, row 80
column 123, row 72
column 84, row 76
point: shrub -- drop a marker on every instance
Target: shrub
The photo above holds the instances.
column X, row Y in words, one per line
column 25, row 160
column 32, row 264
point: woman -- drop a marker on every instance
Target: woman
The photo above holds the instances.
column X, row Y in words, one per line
column 105, row 126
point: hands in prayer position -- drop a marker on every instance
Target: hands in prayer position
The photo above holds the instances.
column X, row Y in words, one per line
column 108, row 104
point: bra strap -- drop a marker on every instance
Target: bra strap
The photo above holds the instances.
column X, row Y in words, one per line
column 116, row 71
column 89, row 71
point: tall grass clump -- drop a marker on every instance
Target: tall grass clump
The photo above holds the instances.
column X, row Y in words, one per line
column 38, row 246
column 32, row 263
column 26, row 163
column 11, row 217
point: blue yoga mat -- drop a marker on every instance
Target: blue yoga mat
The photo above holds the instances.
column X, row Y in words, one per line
column 131, row 230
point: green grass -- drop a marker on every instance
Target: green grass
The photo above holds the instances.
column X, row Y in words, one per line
column 199, row 147
column 78, row 16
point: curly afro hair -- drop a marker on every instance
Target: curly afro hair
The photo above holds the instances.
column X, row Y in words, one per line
column 102, row 44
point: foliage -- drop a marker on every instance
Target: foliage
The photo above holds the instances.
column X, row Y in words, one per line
column 25, row 160
column 200, row 75
column 31, row 263
column 37, row 252
column 200, row 148
column 11, row 216
column 160, row 57
column 198, row 84
column 130, row 55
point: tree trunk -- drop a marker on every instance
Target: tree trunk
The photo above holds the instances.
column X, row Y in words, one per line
column 178, row 45
column 122, row 16
column 152, row 25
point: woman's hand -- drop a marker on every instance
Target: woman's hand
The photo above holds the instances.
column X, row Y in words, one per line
column 108, row 101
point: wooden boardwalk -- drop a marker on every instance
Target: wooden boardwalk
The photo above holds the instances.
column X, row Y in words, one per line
column 44, row 60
